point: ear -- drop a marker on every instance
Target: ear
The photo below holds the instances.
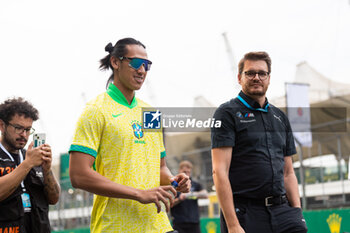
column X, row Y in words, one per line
column 115, row 62
column 2, row 125
column 239, row 78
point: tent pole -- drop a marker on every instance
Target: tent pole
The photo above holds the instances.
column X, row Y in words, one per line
column 340, row 157
column 301, row 174
column 321, row 170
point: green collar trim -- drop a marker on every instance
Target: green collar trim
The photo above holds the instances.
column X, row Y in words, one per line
column 118, row 96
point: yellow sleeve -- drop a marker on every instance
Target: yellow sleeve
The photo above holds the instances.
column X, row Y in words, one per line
column 88, row 131
column 161, row 144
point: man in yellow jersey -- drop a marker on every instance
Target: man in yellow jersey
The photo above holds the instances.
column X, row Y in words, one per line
column 130, row 177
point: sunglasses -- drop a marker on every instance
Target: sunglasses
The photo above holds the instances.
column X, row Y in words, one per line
column 136, row 63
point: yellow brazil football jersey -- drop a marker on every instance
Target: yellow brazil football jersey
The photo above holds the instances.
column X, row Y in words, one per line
column 111, row 130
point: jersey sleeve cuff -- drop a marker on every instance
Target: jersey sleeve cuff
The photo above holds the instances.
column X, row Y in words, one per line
column 162, row 154
column 83, row 149
column 291, row 152
column 222, row 144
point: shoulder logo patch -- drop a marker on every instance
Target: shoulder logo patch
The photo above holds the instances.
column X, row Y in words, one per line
column 278, row 118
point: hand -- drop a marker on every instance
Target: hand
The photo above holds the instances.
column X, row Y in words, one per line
column 47, row 157
column 157, row 195
column 34, row 156
column 182, row 197
column 236, row 229
column 184, row 182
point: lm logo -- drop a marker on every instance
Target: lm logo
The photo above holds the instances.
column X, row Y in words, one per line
column 334, row 222
column 152, row 120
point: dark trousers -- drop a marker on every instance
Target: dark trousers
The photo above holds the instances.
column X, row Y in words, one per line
column 273, row 219
column 187, row 227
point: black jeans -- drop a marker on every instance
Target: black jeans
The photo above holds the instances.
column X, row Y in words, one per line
column 187, row 227
column 273, row 219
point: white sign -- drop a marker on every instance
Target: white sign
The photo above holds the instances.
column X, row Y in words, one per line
column 298, row 111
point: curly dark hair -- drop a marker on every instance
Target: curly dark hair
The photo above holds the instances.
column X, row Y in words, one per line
column 11, row 107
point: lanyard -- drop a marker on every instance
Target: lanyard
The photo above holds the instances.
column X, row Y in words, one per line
column 12, row 159
column 250, row 107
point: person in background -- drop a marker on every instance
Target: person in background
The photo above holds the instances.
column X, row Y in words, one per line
column 185, row 212
column 252, row 158
column 130, row 178
column 27, row 183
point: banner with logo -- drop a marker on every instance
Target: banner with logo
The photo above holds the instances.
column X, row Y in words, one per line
column 328, row 221
column 298, row 111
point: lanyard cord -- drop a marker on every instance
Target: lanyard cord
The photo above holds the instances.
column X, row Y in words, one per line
column 250, row 107
column 12, row 159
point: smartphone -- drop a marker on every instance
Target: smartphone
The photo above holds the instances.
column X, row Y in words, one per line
column 39, row 139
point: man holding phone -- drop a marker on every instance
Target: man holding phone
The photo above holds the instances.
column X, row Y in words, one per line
column 27, row 183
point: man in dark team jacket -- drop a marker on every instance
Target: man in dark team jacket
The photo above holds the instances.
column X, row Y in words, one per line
column 27, row 183
column 252, row 158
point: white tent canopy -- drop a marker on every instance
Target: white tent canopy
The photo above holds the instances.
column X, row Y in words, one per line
column 321, row 87
column 327, row 100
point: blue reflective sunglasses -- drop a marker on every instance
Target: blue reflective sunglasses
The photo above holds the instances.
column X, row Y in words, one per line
column 136, row 63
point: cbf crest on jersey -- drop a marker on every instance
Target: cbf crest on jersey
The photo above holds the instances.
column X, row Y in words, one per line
column 137, row 128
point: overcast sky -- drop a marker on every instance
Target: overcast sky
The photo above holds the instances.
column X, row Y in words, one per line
column 49, row 50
